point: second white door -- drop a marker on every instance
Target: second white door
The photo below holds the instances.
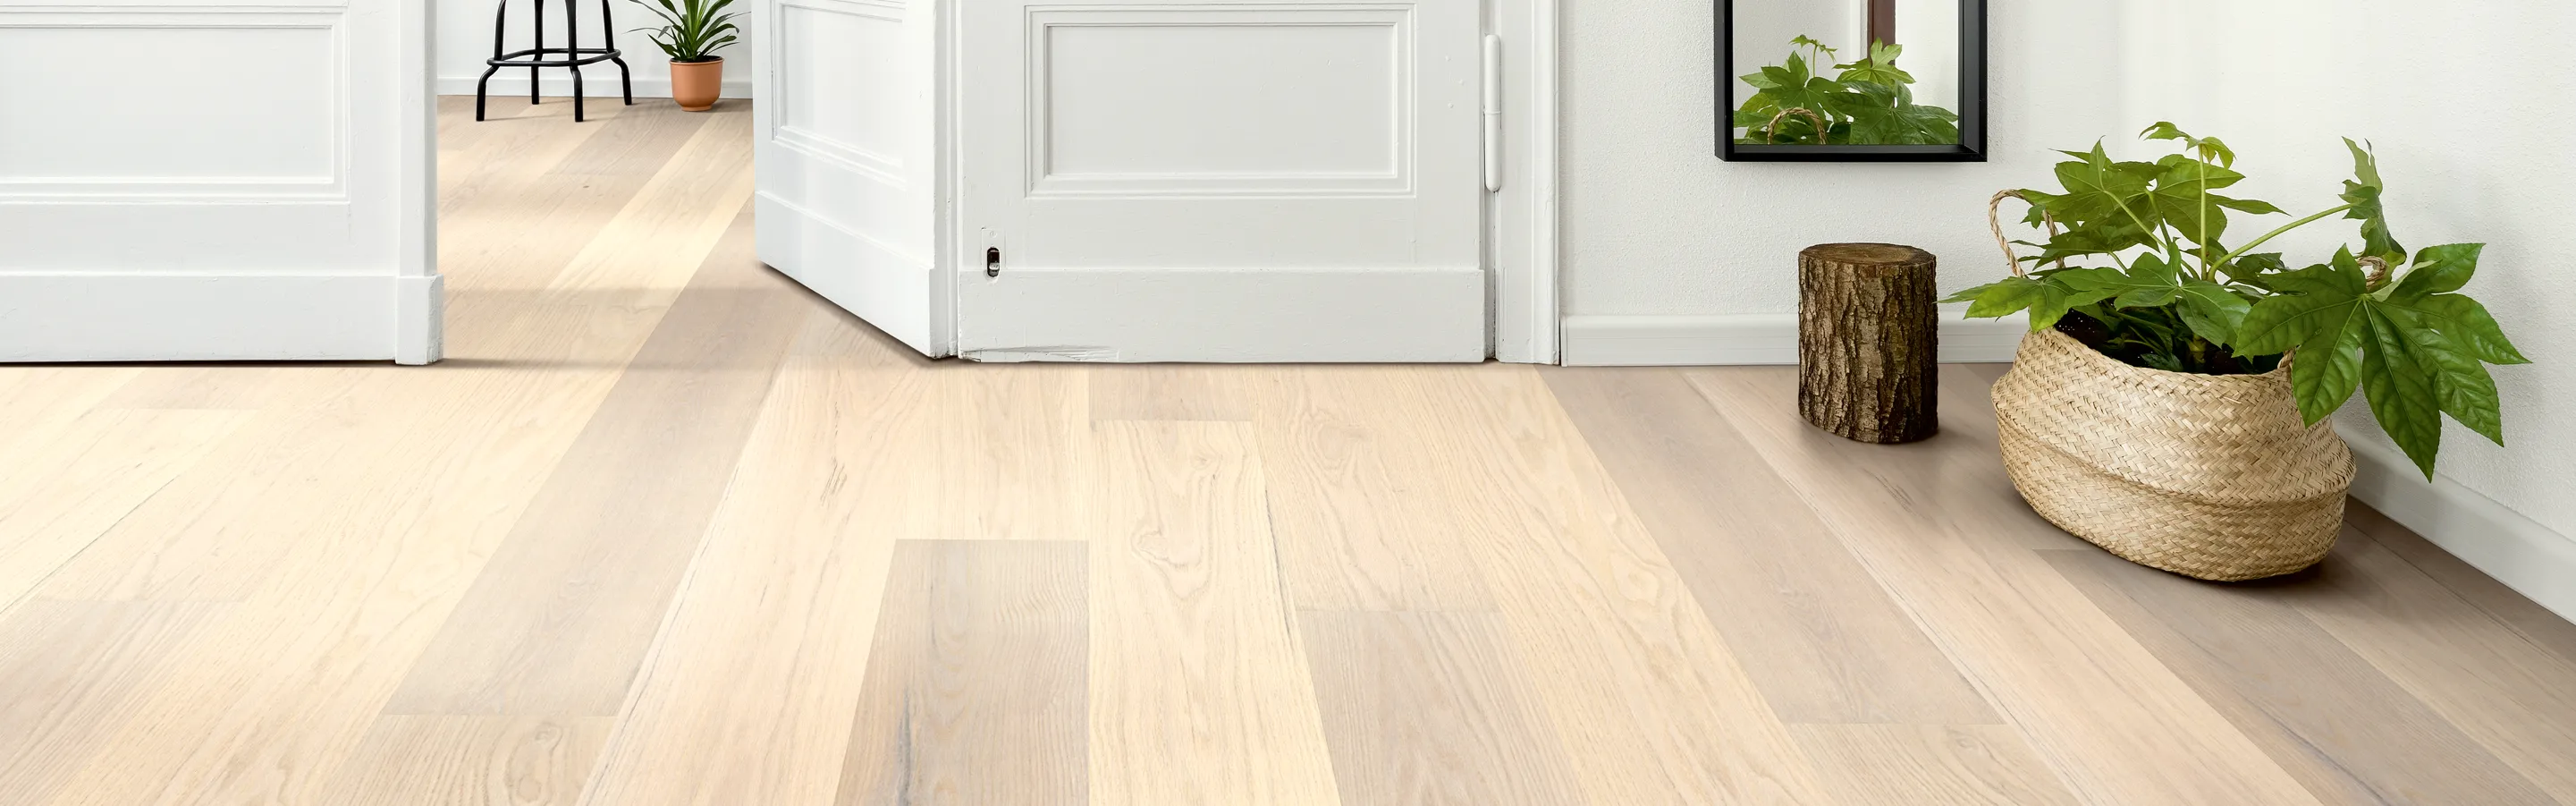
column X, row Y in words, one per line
column 1197, row 181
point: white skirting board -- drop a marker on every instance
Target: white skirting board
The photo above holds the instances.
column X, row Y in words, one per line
column 2515, row 550
column 1746, row 339
column 85, row 316
column 596, row 83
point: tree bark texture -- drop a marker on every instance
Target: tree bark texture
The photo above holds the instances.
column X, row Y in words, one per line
column 1868, row 341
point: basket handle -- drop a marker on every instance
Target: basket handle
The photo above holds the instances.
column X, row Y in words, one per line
column 1772, row 131
column 1995, row 223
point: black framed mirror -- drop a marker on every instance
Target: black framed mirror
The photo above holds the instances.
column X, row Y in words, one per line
column 1851, row 80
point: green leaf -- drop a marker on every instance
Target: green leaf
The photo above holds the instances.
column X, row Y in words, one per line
column 2322, row 301
column 2362, row 192
column 2251, row 269
column 2253, row 206
column 2468, row 325
column 2208, row 148
column 1879, row 67
column 2211, row 310
column 2098, row 189
column 2438, row 270
column 2401, row 393
column 2327, row 367
column 2460, row 382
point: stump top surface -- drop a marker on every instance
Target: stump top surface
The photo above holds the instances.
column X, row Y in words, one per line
column 1867, row 253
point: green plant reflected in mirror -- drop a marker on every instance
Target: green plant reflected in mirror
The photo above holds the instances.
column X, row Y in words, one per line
column 1852, row 80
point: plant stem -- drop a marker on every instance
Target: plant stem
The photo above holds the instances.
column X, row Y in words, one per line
column 2231, row 256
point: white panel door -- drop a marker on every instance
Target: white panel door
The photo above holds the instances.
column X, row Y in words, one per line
column 216, row 179
column 847, row 158
column 1221, row 181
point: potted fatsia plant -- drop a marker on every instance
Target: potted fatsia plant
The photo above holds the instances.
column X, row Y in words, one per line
column 2171, row 401
column 692, row 31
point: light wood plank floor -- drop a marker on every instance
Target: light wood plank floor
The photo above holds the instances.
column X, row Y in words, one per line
column 666, row 529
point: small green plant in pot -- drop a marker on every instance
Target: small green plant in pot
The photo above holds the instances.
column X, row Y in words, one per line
column 691, row 33
column 2171, row 402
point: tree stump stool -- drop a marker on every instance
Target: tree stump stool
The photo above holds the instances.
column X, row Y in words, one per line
column 1868, row 341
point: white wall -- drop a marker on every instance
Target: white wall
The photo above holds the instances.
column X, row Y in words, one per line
column 465, row 40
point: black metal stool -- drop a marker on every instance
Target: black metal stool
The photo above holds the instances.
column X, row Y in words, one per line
column 574, row 55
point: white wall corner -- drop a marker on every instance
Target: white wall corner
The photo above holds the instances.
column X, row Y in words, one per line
column 1751, row 339
column 420, row 314
column 2515, row 550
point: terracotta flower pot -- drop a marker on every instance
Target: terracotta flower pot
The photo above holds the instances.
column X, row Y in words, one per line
column 696, row 84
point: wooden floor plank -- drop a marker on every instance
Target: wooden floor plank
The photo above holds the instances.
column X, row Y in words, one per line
column 446, row 760
column 1355, row 531
column 2111, row 721
column 68, row 670
column 2514, row 610
column 2513, row 696
column 2319, row 710
column 1185, row 392
column 1198, row 691
column 1931, row 765
column 1431, row 709
column 1815, row 631
column 559, row 620
column 1652, row 703
column 748, row 692
column 1014, row 453
column 95, row 471
column 975, row 686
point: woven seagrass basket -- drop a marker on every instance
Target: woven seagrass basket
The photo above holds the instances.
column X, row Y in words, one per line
column 2208, row 476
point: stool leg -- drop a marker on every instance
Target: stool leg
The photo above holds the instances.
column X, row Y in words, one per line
column 572, row 53
column 608, row 27
column 540, row 29
column 500, row 27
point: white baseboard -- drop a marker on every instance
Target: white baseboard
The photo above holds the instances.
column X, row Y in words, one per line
column 2515, row 550
column 87, row 316
column 1745, row 339
column 595, row 83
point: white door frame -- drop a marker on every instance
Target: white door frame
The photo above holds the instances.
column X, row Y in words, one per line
column 1522, row 219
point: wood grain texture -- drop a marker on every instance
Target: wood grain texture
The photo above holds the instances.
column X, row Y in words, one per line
column 748, row 692
column 1198, row 691
column 2107, row 717
column 68, row 670
column 1931, row 765
column 94, row 471
column 559, row 619
column 1812, row 627
column 2515, row 697
column 2514, row 610
column 1430, row 708
column 975, row 688
column 2295, row 689
column 1355, row 530
column 1184, row 392
column 444, row 760
column 1652, row 703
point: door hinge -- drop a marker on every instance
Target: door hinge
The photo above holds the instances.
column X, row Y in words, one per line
column 993, row 261
column 1493, row 107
